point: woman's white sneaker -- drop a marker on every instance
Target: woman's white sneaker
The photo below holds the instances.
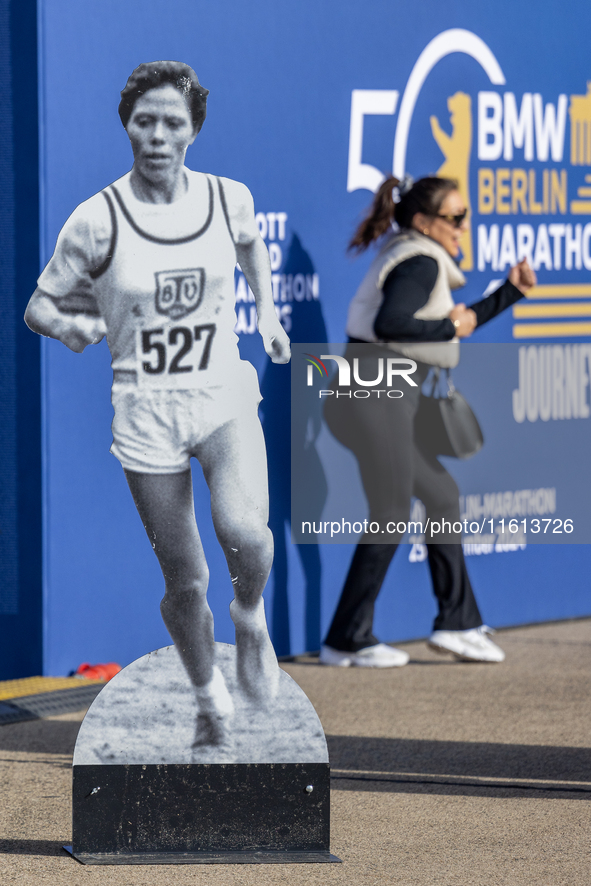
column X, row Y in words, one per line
column 379, row 656
column 471, row 645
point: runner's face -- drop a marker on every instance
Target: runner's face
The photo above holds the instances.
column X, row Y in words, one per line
column 160, row 130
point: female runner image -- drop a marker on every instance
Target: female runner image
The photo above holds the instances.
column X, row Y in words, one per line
column 149, row 262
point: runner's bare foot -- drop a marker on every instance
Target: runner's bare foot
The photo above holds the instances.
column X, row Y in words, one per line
column 215, row 711
column 209, row 730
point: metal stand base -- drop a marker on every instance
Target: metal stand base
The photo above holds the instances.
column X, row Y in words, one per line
column 242, row 813
column 241, row 857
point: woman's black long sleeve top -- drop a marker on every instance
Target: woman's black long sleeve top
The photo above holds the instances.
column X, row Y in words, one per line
column 407, row 289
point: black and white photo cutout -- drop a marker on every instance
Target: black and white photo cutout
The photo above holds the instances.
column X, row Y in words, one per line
column 146, row 714
column 149, row 262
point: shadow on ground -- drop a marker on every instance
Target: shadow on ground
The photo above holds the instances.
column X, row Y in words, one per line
column 411, row 765
column 32, row 847
column 40, row 736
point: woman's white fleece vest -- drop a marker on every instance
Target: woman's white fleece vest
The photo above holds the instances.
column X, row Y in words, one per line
column 368, row 299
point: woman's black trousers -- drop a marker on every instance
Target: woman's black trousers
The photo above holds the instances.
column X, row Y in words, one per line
column 380, row 431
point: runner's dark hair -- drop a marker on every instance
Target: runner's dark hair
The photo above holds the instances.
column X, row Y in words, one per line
column 426, row 195
column 151, row 75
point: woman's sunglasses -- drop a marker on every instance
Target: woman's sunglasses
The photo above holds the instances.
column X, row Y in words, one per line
column 455, row 220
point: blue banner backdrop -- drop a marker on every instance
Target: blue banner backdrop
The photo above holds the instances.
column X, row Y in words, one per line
column 310, row 104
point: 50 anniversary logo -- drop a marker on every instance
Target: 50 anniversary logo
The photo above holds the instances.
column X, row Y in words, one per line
column 531, row 194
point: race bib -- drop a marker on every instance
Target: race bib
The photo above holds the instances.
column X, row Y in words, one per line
column 174, row 357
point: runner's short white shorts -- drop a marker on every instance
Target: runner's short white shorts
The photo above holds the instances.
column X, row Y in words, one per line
column 157, row 431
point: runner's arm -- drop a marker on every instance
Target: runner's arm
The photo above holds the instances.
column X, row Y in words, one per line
column 254, row 261
column 253, row 258
column 76, row 331
column 63, row 306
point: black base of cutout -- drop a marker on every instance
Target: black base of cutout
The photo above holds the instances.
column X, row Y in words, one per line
column 241, row 857
column 195, row 813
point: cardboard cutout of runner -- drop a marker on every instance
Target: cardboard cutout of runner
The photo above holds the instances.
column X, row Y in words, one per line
column 149, row 262
column 145, row 716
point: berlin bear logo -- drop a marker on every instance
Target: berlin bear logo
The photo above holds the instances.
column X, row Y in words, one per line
column 179, row 292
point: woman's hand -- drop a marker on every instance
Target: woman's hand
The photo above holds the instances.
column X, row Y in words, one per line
column 464, row 320
column 522, row 276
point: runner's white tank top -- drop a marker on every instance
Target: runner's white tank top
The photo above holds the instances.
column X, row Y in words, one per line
column 166, row 289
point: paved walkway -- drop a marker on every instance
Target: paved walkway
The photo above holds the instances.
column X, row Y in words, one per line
column 445, row 774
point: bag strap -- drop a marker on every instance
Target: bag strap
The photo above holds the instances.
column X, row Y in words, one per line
column 435, row 379
column 450, row 385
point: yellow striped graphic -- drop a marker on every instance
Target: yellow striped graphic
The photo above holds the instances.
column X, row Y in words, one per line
column 554, row 309
column 551, row 330
column 560, row 290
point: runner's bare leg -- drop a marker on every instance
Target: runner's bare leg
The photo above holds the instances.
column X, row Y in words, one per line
column 234, row 464
column 165, row 504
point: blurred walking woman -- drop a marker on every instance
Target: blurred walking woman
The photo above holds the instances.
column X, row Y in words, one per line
column 404, row 306
column 149, row 261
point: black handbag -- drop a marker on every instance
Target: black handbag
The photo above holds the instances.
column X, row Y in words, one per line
column 445, row 424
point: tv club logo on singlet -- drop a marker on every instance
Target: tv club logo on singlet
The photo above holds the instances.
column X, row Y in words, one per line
column 179, row 292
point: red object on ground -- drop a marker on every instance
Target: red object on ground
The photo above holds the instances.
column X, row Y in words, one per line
column 98, row 671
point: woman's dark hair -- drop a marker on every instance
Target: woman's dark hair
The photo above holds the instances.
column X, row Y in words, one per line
column 426, row 195
column 151, row 75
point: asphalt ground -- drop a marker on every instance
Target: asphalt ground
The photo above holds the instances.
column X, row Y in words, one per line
column 444, row 774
